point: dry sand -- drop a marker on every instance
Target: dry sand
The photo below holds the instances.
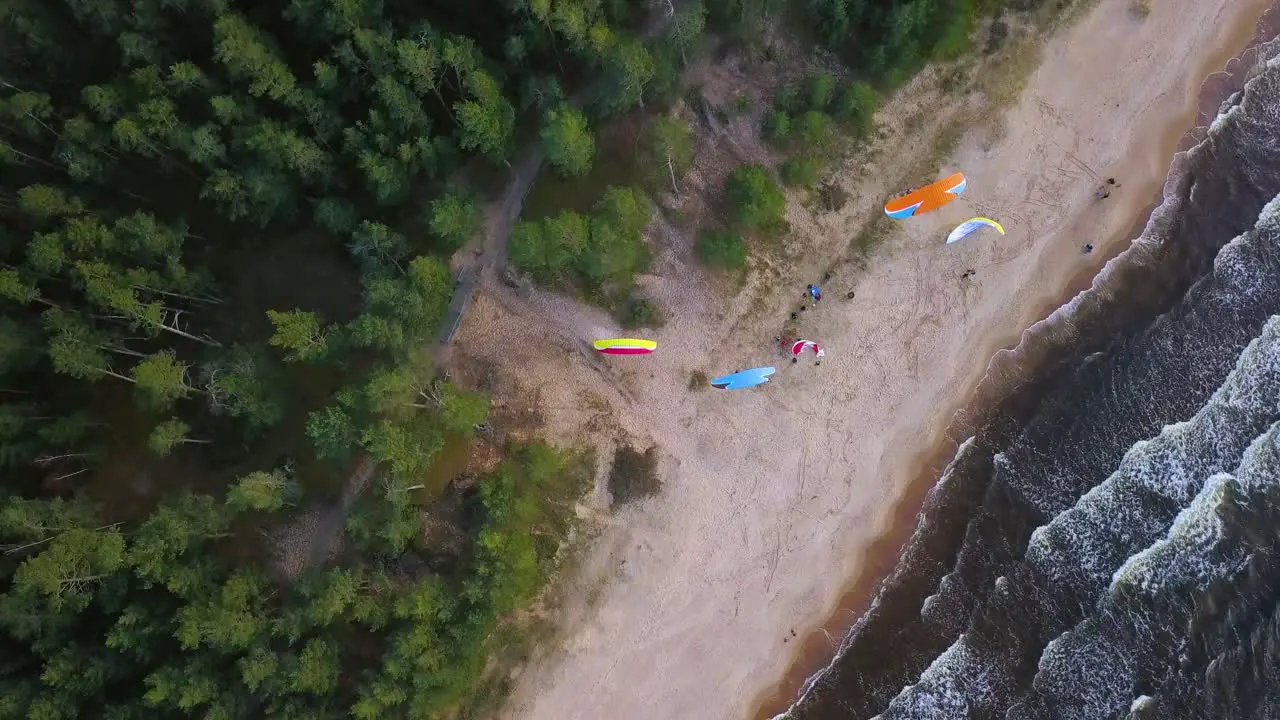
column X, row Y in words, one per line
column 685, row 602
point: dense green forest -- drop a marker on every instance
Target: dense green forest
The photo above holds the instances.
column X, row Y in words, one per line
column 223, row 262
column 225, row 229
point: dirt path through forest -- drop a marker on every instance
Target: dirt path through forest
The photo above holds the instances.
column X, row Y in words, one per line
column 481, row 261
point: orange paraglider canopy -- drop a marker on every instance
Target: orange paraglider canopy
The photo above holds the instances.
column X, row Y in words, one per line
column 930, row 197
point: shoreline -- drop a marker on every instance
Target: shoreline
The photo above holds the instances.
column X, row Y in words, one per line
column 878, row 560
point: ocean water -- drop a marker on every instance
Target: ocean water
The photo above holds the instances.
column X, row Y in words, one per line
column 1106, row 544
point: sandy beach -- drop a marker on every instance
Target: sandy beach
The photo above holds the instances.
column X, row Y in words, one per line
column 694, row 603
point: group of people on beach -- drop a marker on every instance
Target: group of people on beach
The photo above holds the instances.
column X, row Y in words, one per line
column 812, row 296
column 1104, row 192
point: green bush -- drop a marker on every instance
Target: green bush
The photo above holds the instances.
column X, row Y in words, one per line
column 756, row 197
column 856, row 107
column 640, row 312
column 786, row 99
column 722, row 249
column 803, row 171
column 597, row 253
column 778, row 126
column 813, row 131
column 820, row 91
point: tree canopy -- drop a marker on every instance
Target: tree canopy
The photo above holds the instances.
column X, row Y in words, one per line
column 599, row 254
column 567, row 140
column 224, row 240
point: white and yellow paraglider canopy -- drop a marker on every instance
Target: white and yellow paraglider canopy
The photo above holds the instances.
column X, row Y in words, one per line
column 968, row 227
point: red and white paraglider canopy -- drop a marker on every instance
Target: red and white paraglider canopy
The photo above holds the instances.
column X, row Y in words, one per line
column 800, row 346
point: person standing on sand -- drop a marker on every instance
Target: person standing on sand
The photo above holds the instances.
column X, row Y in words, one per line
column 784, row 344
column 815, row 292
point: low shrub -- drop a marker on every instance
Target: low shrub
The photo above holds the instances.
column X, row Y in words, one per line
column 803, row 171
column 698, row 380
column 722, row 249
column 640, row 312
column 756, row 197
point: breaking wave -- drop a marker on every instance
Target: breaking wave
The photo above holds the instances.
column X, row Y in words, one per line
column 1107, row 543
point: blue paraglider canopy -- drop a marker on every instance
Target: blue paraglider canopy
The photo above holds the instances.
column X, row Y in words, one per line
column 743, row 378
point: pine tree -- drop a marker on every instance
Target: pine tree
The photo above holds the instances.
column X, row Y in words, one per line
column 455, row 218
column 317, row 668
column 671, row 148
column 631, row 70
column 168, row 435
column 332, row 431
column 66, row 573
column 400, row 311
column 160, row 551
column 567, row 140
column 242, row 50
column 300, row 335
column 160, row 379
column 243, row 383
column 687, row 27
column 262, row 491
column 486, row 120
column 231, row 619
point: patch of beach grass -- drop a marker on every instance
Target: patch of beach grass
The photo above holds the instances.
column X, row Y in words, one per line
column 871, row 236
column 634, row 474
column 512, row 644
column 641, row 312
column 1003, row 82
column 698, row 380
column 1057, row 14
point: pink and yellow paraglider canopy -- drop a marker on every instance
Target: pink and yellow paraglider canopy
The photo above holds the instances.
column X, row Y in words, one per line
column 625, row 346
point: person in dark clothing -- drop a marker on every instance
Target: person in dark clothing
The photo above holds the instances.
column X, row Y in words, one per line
column 1088, row 248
